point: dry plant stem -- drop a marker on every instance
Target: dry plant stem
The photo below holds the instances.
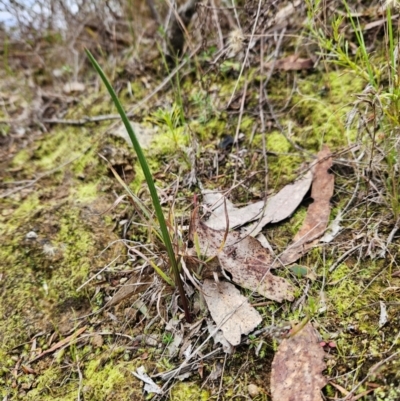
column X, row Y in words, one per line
column 217, row 24
column 168, row 376
column 236, row 14
column 275, row 57
column 95, row 275
column 236, row 140
column 371, row 372
column 392, row 234
column 247, row 51
column 185, row 363
column 366, row 287
column 80, row 380
column 84, row 120
column 222, row 377
column 154, row 11
column 260, row 105
column 178, row 27
column 343, row 257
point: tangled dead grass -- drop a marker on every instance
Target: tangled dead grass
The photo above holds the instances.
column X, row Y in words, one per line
column 237, row 80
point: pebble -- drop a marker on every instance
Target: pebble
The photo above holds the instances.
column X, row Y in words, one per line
column 253, row 390
column 31, row 235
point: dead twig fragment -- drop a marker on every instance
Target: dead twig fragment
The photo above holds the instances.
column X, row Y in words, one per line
column 61, row 343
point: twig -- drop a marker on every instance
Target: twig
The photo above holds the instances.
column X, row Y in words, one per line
column 343, row 257
column 247, row 51
column 217, row 24
column 80, row 380
column 222, row 378
column 391, row 235
column 236, row 140
column 153, row 10
column 262, row 119
column 69, row 340
column 95, row 275
column 84, row 120
column 186, row 368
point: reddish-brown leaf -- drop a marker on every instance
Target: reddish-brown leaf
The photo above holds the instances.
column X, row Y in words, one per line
column 297, row 367
column 318, row 212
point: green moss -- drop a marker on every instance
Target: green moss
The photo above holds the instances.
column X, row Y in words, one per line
column 21, row 158
column 246, row 124
column 276, row 142
column 61, row 147
column 76, row 244
column 214, row 128
column 344, row 295
column 99, row 383
column 321, row 106
column 87, row 162
column 47, row 387
column 169, row 141
column 188, row 391
column 25, row 209
column 102, row 381
column 85, row 193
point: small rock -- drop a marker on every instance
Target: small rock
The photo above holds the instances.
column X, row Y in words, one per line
column 97, row 340
column 31, row 235
column 253, row 390
column 73, row 87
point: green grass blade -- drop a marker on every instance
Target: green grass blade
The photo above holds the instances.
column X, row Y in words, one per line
column 149, row 180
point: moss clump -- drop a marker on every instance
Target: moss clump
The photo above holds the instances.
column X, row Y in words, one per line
column 276, row 142
column 86, row 192
column 99, row 382
column 341, row 295
column 320, row 107
column 188, row 391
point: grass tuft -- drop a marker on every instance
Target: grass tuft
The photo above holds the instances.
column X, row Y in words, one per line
column 150, row 183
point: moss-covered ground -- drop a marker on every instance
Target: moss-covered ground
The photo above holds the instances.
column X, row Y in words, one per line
column 67, row 228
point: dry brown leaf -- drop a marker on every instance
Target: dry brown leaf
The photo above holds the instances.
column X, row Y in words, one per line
column 297, row 367
column 292, row 63
column 127, row 289
column 318, row 212
column 245, row 259
column 279, row 207
column 230, row 310
column 283, row 204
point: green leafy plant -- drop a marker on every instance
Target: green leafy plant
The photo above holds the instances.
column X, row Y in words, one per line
column 167, row 338
column 150, row 183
